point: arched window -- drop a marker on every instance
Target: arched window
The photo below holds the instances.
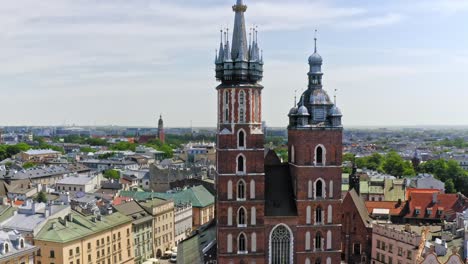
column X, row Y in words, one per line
column 329, row 260
column 318, row 261
column 240, row 164
column 319, row 155
column 252, row 189
column 308, row 215
column 318, row 215
column 7, row 247
column 329, row 239
column 318, row 241
column 241, row 139
column 330, row 188
column 330, row 214
column 254, row 242
column 229, row 216
column 241, row 98
column 241, row 243
column 241, row 115
column 241, row 190
column 281, row 245
column 241, row 217
column 226, row 98
column 307, row 261
column 229, row 243
column 229, row 190
column 307, row 240
column 293, row 155
column 319, row 189
column 309, row 189
column 226, row 115
column 253, row 215
column 21, row 243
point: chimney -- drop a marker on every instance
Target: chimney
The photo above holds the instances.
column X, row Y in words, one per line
column 434, row 198
column 47, row 211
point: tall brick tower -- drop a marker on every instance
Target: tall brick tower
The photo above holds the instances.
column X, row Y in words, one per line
column 315, row 154
column 161, row 129
column 240, row 153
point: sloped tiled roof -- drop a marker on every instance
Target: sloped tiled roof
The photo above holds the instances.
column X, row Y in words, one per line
column 394, row 207
column 360, row 206
column 448, row 204
column 80, row 227
column 199, row 196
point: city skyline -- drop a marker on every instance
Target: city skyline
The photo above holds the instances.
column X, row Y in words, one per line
column 119, row 63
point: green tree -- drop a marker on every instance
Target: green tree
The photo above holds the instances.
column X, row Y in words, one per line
column 41, row 197
column 450, row 186
column 29, row 164
column 393, row 164
column 122, row 146
column 87, row 150
column 112, row 174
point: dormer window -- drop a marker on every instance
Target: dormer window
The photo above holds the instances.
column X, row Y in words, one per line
column 440, row 211
column 417, row 211
column 7, row 247
column 429, row 211
column 21, row 243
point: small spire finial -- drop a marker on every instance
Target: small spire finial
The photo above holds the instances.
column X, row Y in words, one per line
column 295, row 97
column 315, row 41
column 334, row 96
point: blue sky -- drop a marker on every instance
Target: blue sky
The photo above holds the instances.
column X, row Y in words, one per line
column 118, row 62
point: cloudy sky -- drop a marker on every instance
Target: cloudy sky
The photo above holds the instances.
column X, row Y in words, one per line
column 120, row 62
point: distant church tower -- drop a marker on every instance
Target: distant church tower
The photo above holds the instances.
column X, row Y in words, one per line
column 240, row 153
column 315, row 137
column 161, row 129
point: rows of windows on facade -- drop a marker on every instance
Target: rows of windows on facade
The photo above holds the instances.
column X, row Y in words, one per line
column 93, row 248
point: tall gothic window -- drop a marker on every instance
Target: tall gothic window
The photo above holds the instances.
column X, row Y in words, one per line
column 241, row 217
column 226, row 115
column 241, row 247
column 241, row 139
column 240, row 164
column 319, row 156
column 319, row 189
column 280, row 244
column 226, row 98
column 241, row 115
column 241, row 107
column 241, row 190
column 318, row 241
column 318, row 215
column 318, row 261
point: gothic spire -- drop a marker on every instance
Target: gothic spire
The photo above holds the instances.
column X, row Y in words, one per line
column 221, row 48
column 239, row 37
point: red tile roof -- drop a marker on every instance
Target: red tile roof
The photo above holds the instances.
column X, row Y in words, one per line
column 120, row 200
column 445, row 207
column 394, row 208
column 409, row 191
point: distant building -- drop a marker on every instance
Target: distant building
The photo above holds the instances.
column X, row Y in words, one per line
column 356, row 230
column 182, row 221
column 395, row 244
column 200, row 247
column 80, row 183
column 142, row 229
column 426, row 181
column 31, row 217
column 199, row 151
column 39, row 155
column 163, row 224
column 14, row 248
column 102, row 165
column 86, row 239
column 431, row 206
